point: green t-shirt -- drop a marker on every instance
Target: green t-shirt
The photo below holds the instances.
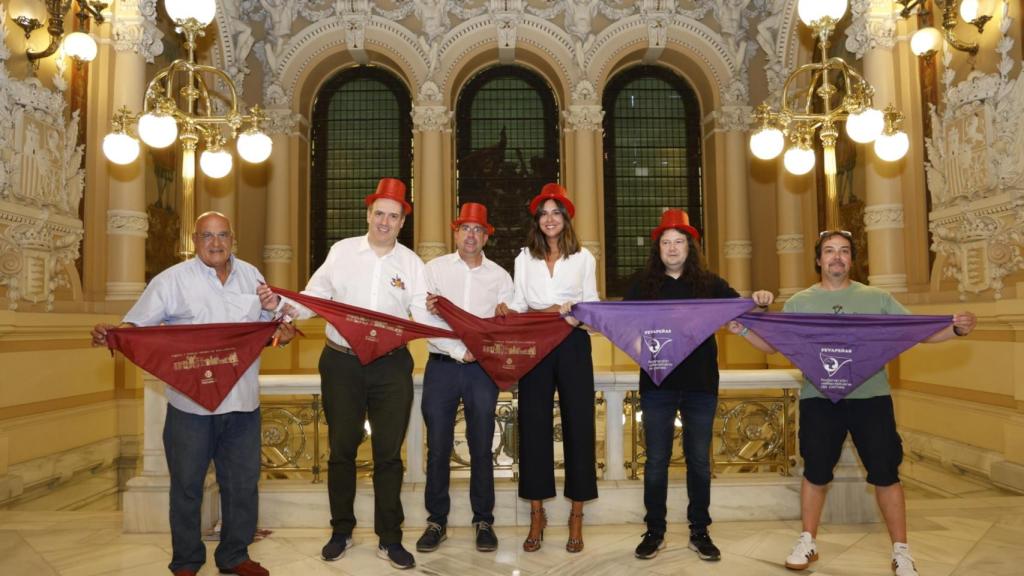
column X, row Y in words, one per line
column 855, row 299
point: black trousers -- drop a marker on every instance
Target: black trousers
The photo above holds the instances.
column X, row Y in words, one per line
column 381, row 392
column 569, row 370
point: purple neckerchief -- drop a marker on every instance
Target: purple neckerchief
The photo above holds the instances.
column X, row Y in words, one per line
column 659, row 334
column 839, row 352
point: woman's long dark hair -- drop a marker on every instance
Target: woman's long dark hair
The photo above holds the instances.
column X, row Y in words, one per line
column 537, row 243
column 694, row 270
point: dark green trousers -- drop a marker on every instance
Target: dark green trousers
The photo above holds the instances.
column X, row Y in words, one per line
column 381, row 392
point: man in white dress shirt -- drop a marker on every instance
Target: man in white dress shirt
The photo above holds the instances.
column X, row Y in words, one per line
column 212, row 287
column 477, row 285
column 377, row 273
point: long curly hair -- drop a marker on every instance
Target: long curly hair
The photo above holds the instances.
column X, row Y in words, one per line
column 695, row 272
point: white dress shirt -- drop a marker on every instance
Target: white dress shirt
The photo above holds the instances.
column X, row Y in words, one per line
column 353, row 274
column 191, row 293
column 574, row 280
column 476, row 290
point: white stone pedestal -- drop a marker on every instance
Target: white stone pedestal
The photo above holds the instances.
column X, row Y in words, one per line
column 851, row 500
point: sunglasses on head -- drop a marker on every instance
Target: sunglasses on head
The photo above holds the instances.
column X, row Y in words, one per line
column 844, row 233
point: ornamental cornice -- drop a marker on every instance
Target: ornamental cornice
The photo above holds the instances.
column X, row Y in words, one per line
column 127, row 223
column 883, row 217
column 431, row 119
column 789, row 244
column 739, row 249
column 427, row 251
column 584, row 117
column 278, row 253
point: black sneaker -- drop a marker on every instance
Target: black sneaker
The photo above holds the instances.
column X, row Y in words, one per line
column 700, row 542
column 650, row 545
column 432, row 537
column 486, row 539
column 397, row 555
column 336, row 547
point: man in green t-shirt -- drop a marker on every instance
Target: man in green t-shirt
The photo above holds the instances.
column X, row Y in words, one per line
column 866, row 413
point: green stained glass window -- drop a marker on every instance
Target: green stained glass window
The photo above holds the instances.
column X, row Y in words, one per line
column 652, row 145
column 361, row 132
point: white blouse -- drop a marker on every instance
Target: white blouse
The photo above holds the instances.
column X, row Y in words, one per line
column 574, row 280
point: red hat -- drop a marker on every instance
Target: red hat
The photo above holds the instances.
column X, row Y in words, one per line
column 552, row 191
column 473, row 212
column 677, row 219
column 390, row 189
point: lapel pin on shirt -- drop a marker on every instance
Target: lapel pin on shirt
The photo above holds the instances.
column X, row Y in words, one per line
column 397, row 282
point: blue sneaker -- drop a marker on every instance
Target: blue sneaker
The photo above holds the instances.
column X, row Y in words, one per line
column 397, row 555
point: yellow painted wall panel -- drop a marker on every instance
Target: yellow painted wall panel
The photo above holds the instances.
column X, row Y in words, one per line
column 981, row 366
column 950, row 419
column 46, row 375
column 50, row 433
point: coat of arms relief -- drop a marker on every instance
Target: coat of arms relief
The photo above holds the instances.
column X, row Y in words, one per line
column 41, row 187
column 976, row 176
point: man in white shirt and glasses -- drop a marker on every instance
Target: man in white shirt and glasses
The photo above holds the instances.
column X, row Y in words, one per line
column 477, row 285
column 377, row 273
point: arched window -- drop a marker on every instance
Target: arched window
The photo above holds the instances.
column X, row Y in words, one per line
column 652, row 145
column 507, row 148
column 361, row 132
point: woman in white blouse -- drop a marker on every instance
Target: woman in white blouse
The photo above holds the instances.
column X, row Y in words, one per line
column 551, row 274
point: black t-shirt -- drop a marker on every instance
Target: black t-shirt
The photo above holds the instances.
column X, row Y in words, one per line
column 699, row 371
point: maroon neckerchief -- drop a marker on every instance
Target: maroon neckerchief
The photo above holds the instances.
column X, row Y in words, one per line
column 202, row 361
column 507, row 347
column 370, row 334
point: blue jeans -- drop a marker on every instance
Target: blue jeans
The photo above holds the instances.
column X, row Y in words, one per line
column 444, row 383
column 232, row 441
column 697, row 411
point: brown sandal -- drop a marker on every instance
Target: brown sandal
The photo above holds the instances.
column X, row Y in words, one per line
column 538, row 516
column 575, row 544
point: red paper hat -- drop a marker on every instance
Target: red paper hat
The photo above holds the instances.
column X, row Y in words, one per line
column 678, row 219
column 473, row 212
column 390, row 189
column 552, row 191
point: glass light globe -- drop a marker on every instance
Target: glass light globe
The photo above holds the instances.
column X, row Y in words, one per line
column 969, row 10
column 925, row 40
column 892, row 147
column 120, row 148
column 215, row 163
column 767, row 143
column 157, row 130
column 866, row 125
column 810, row 11
column 202, row 10
column 80, row 46
column 254, row 146
column 799, row 160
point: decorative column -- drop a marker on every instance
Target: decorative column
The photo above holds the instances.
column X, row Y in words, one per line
column 415, row 460
column 883, row 212
column 136, row 41
column 432, row 121
column 733, row 120
column 614, row 458
column 789, row 244
column 584, row 121
column 278, row 253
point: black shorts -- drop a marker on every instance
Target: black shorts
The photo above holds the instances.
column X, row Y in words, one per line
column 871, row 422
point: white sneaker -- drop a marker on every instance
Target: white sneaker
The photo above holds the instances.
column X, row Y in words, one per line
column 804, row 552
column 902, row 561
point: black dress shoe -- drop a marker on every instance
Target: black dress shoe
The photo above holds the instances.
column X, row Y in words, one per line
column 486, row 539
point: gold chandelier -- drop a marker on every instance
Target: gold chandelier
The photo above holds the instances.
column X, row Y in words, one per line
column 178, row 107
column 834, row 93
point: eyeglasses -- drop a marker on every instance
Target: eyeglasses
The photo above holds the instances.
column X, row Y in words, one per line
column 467, row 229
column 844, row 233
column 208, row 237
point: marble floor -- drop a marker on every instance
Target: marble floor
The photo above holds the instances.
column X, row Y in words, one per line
column 972, row 535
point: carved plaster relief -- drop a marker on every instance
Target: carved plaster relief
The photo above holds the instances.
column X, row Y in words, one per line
column 975, row 176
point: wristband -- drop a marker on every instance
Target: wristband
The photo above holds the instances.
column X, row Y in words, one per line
column 745, row 331
column 958, row 333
